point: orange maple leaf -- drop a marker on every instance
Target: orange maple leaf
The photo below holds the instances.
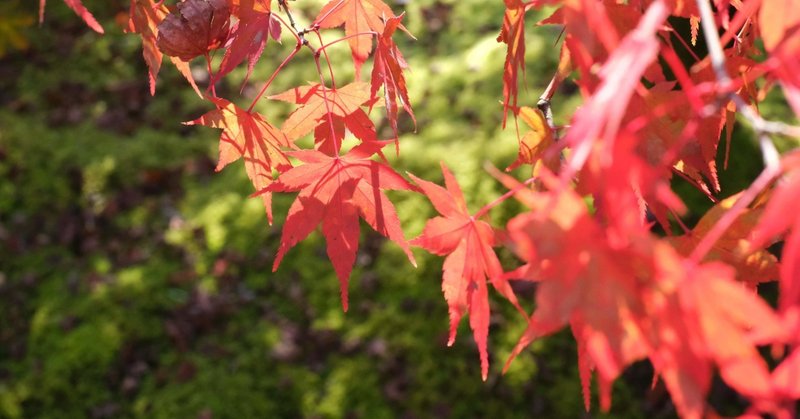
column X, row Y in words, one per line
column 249, row 136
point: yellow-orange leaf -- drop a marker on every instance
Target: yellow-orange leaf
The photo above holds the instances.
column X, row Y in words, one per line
column 753, row 267
column 534, row 144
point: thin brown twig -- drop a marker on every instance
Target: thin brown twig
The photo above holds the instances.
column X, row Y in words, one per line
column 211, row 85
column 291, row 28
column 345, row 38
column 327, row 60
column 274, row 74
column 502, row 198
column 299, row 34
column 544, row 105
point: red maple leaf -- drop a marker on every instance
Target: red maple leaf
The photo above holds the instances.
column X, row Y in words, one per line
column 513, row 35
column 735, row 317
column 784, row 378
column 329, row 140
column 359, row 17
column 625, row 302
column 777, row 223
column 326, row 109
column 467, row 242
column 335, row 192
column 789, row 74
column 602, row 114
column 387, row 71
column 79, row 9
column 582, row 282
column 248, row 37
column 696, row 160
column 780, row 221
column 145, row 17
column 248, row 135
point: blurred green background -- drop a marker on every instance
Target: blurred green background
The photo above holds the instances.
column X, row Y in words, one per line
column 136, row 282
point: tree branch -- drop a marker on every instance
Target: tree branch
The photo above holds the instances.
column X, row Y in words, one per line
column 760, row 125
column 544, row 102
column 299, row 34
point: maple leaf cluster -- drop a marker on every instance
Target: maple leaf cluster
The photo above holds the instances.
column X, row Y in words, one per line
column 599, row 189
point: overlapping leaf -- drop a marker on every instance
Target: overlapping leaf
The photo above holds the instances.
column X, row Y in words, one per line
column 600, row 118
column 732, row 248
column 359, row 17
column 513, row 35
column 582, row 281
column 784, row 378
column 628, row 302
column 336, row 192
column 322, row 106
column 694, row 159
column 468, row 243
column 592, row 32
column 736, row 317
column 779, row 24
column 240, row 7
column 604, row 151
column 249, row 37
column 249, row 136
column 387, row 71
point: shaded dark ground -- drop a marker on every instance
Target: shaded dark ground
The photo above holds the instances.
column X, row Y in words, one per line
column 134, row 281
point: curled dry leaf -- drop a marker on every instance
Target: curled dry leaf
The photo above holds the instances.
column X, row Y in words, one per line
column 534, row 144
column 144, row 18
column 194, row 28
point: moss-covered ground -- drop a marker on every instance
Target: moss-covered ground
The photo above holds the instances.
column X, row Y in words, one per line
column 136, row 282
